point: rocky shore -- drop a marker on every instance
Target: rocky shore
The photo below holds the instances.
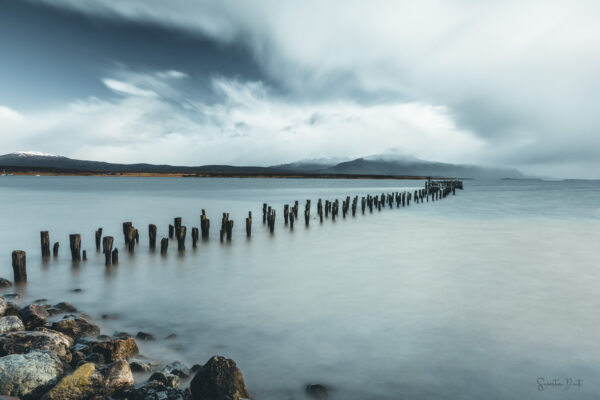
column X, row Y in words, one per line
column 54, row 352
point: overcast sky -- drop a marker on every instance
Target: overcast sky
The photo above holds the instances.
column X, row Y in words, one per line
column 504, row 83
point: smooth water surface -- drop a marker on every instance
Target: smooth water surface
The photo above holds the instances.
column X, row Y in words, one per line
column 475, row 296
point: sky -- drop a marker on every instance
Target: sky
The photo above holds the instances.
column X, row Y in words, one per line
column 191, row 82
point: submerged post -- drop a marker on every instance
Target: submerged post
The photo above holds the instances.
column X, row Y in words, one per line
column 152, row 235
column 126, row 226
column 107, row 244
column 132, row 233
column 45, row 242
column 249, row 224
column 180, row 233
column 194, row 237
column 98, row 238
column 115, row 256
column 164, row 244
column 55, row 249
column 75, row 244
column 171, row 231
column 19, row 266
column 204, row 225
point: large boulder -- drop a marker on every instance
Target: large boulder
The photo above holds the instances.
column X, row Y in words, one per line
column 219, row 378
column 61, row 308
column 118, row 376
column 11, row 323
column 29, row 375
column 112, row 348
column 168, row 380
column 76, row 327
column 43, row 339
column 5, row 283
column 177, row 368
column 85, row 382
column 34, row 315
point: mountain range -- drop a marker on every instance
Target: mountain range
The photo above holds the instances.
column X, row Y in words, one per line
column 385, row 164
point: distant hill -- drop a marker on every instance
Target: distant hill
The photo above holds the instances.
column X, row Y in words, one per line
column 390, row 165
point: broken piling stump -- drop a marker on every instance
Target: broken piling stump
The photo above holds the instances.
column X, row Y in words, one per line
column 152, row 229
column 55, row 249
column 249, row 224
column 115, row 256
column 107, row 244
column 75, row 244
column 204, row 225
column 98, row 238
column 171, row 231
column 45, row 243
column 194, row 237
column 132, row 233
column 19, row 266
column 126, row 226
column 180, row 233
column 164, row 245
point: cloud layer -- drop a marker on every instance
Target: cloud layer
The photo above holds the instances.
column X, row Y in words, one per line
column 508, row 83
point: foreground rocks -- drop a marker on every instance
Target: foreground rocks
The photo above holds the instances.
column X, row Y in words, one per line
column 219, row 378
column 69, row 359
column 29, row 375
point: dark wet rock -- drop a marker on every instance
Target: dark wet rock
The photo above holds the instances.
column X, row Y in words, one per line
column 195, row 368
column 177, row 368
column 33, row 315
column 11, row 323
column 107, row 316
column 11, row 296
column 40, row 301
column 29, row 375
column 78, row 290
column 144, row 336
column 171, row 336
column 168, row 380
column 118, row 376
column 41, row 339
column 85, row 349
column 122, row 335
column 3, row 306
column 61, row 308
column 219, row 378
column 95, row 358
column 116, row 348
column 317, row 391
column 76, row 327
column 139, row 365
column 11, row 309
column 85, row 382
column 5, row 283
column 154, row 390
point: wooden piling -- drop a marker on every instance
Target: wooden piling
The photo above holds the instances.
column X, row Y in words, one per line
column 131, row 235
column 296, row 209
column 19, row 264
column 180, row 232
column 307, row 212
column 98, row 238
column 229, row 228
column 75, row 244
column 291, row 221
column 107, row 244
column 126, row 226
column 271, row 219
column 152, row 229
column 171, row 231
column 84, row 255
column 115, row 256
column 286, row 213
column 194, row 237
column 55, row 249
column 204, row 226
column 249, row 224
column 45, row 243
column 164, row 244
column 264, row 213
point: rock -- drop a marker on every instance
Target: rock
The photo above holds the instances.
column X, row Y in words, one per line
column 138, row 365
column 95, row 358
column 3, row 306
column 11, row 309
column 29, row 375
column 154, row 390
column 42, row 339
column 33, row 316
column 13, row 296
column 144, row 336
column 195, row 368
column 168, row 380
column 5, row 283
column 40, row 301
column 116, row 348
column 76, row 327
column 219, row 378
column 171, row 336
column 61, row 308
column 85, row 382
column 11, row 323
column 122, row 335
column 177, row 368
column 118, row 376
column 317, row 391
column 77, row 290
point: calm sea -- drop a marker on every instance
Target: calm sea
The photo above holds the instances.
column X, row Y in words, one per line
column 477, row 296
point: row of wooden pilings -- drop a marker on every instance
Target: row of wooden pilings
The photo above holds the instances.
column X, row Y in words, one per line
column 435, row 190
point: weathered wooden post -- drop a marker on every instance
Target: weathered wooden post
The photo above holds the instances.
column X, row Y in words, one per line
column 171, row 231
column 320, row 210
column 75, row 244
column 327, row 205
column 307, row 212
column 229, row 228
column 107, row 244
column 84, row 255
column 296, row 209
column 19, row 265
column 271, row 219
column 286, row 213
column 204, row 225
column 249, row 224
column 98, row 238
column 55, row 249
column 115, row 256
column 264, row 213
column 126, row 226
column 152, row 229
column 131, row 234
column 45, row 242
column 180, row 233
column 194, row 237
column 363, row 204
column 291, row 221
column 164, row 244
